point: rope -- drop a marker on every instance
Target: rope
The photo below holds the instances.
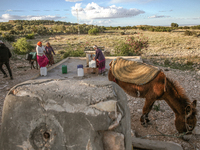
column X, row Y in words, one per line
column 176, row 135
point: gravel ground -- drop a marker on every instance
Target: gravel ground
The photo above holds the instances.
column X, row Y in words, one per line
column 162, row 120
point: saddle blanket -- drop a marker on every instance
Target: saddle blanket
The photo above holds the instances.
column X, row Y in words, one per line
column 132, row 71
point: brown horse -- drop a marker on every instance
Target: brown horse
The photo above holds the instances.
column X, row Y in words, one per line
column 162, row 88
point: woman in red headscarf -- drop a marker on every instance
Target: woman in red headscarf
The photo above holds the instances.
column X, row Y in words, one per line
column 41, row 58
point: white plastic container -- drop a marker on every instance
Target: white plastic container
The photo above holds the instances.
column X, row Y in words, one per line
column 92, row 64
column 80, row 72
column 43, row 71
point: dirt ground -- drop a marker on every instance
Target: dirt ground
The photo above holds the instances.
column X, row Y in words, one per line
column 161, row 120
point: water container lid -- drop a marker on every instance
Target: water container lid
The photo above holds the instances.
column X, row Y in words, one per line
column 80, row 66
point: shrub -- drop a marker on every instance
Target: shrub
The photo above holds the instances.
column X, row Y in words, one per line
column 9, row 37
column 131, row 47
column 122, row 33
column 189, row 33
column 30, row 36
column 61, row 52
column 73, row 53
column 93, row 31
column 167, row 62
column 19, row 27
column 22, row 46
column 12, row 32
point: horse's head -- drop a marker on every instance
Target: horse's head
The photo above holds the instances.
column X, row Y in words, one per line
column 186, row 122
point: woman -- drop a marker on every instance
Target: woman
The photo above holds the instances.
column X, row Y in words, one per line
column 100, row 59
column 49, row 54
column 41, row 58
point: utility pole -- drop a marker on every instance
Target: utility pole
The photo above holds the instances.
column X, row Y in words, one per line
column 78, row 26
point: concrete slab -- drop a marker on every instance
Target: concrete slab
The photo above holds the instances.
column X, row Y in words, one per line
column 55, row 72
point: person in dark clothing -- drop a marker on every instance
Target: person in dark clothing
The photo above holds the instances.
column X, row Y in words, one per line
column 4, row 59
column 100, row 59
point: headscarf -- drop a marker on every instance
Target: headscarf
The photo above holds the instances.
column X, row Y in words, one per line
column 94, row 46
column 39, row 43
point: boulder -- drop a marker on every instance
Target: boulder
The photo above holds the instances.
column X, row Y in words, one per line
column 64, row 115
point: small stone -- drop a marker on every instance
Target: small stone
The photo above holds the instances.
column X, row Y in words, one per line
column 198, row 73
column 187, row 137
column 196, row 130
column 113, row 141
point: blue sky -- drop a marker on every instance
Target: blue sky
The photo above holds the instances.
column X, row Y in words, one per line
column 104, row 12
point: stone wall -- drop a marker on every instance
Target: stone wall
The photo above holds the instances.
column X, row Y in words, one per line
column 66, row 115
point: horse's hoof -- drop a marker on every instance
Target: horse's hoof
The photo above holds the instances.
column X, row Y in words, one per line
column 149, row 123
column 144, row 124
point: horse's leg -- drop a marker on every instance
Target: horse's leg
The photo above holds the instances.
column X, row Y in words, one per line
column 146, row 109
column 36, row 63
column 32, row 64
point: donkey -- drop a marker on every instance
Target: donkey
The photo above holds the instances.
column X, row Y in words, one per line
column 31, row 61
column 162, row 88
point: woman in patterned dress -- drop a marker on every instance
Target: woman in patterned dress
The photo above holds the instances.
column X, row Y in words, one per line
column 48, row 53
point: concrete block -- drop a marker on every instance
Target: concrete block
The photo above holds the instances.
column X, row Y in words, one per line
column 57, row 115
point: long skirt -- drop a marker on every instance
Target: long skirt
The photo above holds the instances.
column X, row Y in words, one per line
column 42, row 61
column 50, row 58
column 101, row 65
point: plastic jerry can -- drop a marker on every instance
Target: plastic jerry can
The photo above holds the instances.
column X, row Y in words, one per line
column 43, row 71
column 80, row 72
column 64, row 69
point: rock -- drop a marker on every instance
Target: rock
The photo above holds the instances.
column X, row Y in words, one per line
column 113, row 141
column 187, row 137
column 155, row 145
column 58, row 114
column 198, row 73
column 196, row 130
column 108, row 106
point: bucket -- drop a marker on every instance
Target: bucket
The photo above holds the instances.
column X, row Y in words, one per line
column 43, row 71
column 80, row 72
column 92, row 64
column 64, row 69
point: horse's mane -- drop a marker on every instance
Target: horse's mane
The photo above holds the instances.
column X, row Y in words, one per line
column 178, row 91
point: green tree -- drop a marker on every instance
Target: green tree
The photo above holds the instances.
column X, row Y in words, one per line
column 22, row 46
column 175, row 25
column 93, row 31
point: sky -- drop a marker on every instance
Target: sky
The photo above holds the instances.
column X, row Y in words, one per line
column 104, row 12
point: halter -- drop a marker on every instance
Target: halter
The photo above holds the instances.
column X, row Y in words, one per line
column 186, row 125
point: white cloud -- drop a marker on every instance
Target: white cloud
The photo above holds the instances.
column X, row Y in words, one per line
column 73, row 0
column 9, row 10
column 155, row 16
column 7, row 17
column 99, row 23
column 94, row 11
column 127, row 1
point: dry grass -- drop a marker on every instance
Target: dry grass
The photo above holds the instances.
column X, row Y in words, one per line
column 160, row 43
